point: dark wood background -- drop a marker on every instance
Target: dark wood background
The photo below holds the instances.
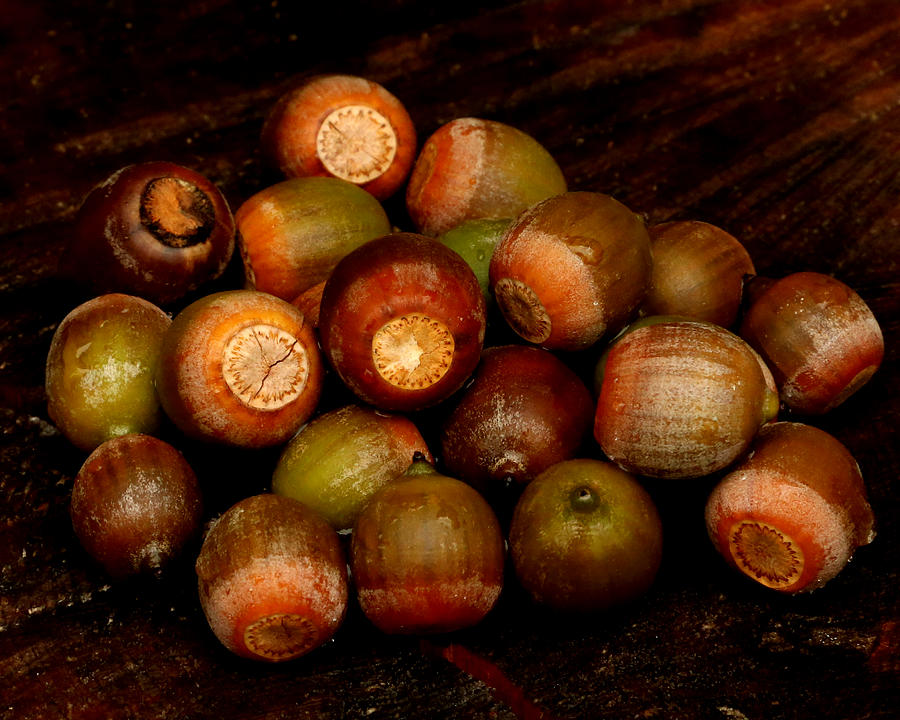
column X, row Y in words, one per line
column 778, row 120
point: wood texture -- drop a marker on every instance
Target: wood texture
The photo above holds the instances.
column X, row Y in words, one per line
column 778, row 120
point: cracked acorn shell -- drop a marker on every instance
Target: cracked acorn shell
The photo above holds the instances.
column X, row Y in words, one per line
column 272, row 579
column 571, row 269
column 402, row 321
column 241, row 368
column 680, row 398
column 791, row 515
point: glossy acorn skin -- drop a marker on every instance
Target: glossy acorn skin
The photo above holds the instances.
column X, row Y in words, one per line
column 585, row 536
column 524, row 411
column 293, row 233
column 272, row 579
column 136, row 504
column 336, row 462
column 289, row 135
column 427, row 554
column 113, row 249
column 802, row 483
column 818, row 336
column 396, row 276
column 99, row 376
column 472, row 168
column 698, row 272
column 586, row 259
column 680, row 399
column 475, row 241
column 191, row 374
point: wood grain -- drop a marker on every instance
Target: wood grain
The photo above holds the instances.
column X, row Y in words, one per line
column 778, row 120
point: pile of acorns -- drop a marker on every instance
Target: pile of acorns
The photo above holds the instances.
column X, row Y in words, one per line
column 401, row 319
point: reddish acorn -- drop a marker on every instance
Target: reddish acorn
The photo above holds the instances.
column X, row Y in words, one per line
column 402, row 321
column 818, row 336
column 791, row 515
column 427, row 554
column 136, row 504
column 342, row 126
column 570, row 269
column 680, row 399
column 240, row 367
column 524, row 411
column 698, row 272
column 156, row 230
column 293, row 233
column 272, row 579
column 472, row 168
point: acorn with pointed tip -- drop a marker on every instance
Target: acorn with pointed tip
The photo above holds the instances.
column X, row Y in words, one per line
column 136, row 504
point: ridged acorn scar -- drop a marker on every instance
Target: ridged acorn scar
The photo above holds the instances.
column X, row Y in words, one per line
column 265, row 367
column 413, row 351
column 765, row 553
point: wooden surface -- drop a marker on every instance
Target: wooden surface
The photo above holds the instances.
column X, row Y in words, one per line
column 778, row 120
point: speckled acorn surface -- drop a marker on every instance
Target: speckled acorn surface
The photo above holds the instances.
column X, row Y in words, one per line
column 156, row 229
column 524, row 411
column 427, row 554
column 240, row 367
column 402, row 321
column 818, row 336
column 472, row 168
column 272, row 579
column 335, row 463
column 585, row 536
column 570, row 269
column 342, row 126
column 292, row 234
column 680, row 399
column 791, row 515
column 100, row 368
column 698, row 272
column 136, row 504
